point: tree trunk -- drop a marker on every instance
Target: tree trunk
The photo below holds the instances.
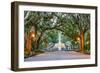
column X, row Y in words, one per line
column 82, row 43
column 28, row 45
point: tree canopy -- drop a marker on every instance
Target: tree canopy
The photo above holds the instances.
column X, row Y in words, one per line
column 46, row 25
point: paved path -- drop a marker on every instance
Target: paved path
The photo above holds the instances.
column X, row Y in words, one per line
column 58, row 55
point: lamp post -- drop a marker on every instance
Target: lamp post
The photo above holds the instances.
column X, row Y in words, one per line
column 33, row 35
column 78, row 40
column 32, row 40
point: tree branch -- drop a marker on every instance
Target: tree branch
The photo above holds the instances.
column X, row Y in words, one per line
column 27, row 15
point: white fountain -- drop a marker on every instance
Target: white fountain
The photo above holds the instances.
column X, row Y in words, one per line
column 59, row 45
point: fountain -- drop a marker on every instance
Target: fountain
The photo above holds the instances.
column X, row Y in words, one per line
column 59, row 45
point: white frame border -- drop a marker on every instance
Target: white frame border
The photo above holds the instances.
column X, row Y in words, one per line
column 33, row 64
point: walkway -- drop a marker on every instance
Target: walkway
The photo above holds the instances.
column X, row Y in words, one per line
column 58, row 55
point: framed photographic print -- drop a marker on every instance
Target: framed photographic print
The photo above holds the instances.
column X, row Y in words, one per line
column 52, row 36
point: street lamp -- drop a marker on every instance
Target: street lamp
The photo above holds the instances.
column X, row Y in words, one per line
column 78, row 39
column 33, row 35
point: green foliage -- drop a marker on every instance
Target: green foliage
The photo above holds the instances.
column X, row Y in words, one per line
column 52, row 36
column 87, row 42
column 49, row 23
column 42, row 45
